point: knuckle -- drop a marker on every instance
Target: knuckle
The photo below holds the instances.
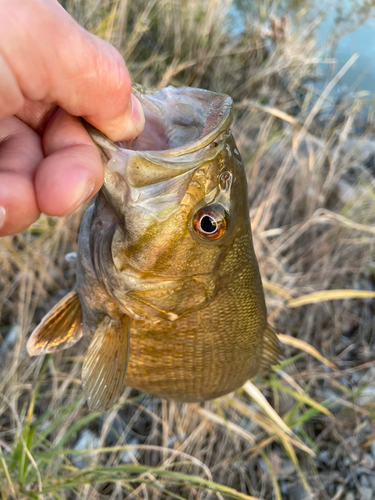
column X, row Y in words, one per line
column 116, row 77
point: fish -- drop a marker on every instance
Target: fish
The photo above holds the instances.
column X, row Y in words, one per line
column 168, row 288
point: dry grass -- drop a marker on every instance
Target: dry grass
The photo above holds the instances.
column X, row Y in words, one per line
column 312, row 192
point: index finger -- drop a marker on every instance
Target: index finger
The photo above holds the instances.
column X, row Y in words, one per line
column 52, row 59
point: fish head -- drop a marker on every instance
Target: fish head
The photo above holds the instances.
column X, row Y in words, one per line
column 180, row 199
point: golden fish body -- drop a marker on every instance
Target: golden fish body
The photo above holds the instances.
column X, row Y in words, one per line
column 168, row 286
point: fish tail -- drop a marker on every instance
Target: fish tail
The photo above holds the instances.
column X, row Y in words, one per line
column 59, row 329
column 271, row 350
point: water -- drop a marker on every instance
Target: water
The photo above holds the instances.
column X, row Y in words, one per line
column 351, row 39
column 347, row 28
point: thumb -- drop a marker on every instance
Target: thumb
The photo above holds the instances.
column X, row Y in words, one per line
column 76, row 70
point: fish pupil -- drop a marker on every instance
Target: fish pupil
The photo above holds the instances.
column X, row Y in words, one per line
column 208, row 224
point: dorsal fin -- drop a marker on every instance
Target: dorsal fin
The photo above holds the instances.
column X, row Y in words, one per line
column 59, row 329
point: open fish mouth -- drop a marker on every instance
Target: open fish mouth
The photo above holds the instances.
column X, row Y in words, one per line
column 178, row 121
column 184, row 128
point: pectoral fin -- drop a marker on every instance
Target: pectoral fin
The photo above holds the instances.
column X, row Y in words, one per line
column 59, row 329
column 105, row 364
column 271, row 350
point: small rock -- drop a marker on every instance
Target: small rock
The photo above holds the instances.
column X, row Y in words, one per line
column 324, row 457
column 296, row 492
column 366, row 396
column 334, row 401
column 71, row 257
column 43, row 426
column 366, row 493
column 358, row 376
column 350, row 496
column 371, row 480
column 86, row 441
column 286, row 468
column 363, row 284
column 10, row 339
column 128, row 456
column 367, row 461
column 353, row 455
column 364, row 481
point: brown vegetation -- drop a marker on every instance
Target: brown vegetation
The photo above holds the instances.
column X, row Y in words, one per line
column 312, row 191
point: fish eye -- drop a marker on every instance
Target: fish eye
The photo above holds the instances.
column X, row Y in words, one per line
column 209, row 223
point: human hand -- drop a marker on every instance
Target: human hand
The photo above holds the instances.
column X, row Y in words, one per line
column 51, row 72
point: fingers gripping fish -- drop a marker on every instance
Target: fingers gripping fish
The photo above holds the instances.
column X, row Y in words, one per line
column 168, row 286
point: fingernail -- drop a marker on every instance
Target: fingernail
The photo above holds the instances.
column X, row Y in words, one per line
column 87, row 190
column 137, row 116
column 2, row 216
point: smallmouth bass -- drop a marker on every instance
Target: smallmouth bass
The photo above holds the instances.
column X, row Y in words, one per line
column 168, row 286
